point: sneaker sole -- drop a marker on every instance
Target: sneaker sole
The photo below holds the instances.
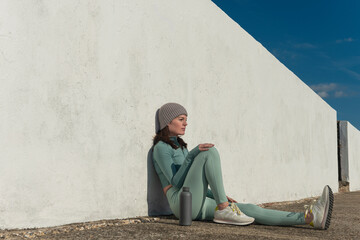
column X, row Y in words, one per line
column 233, row 223
column 327, row 220
column 327, row 216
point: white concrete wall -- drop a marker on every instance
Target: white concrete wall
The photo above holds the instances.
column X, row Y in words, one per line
column 353, row 157
column 80, row 83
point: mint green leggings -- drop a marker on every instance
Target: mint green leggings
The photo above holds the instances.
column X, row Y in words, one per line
column 206, row 170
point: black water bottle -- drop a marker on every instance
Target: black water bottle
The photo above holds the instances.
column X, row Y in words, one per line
column 185, row 207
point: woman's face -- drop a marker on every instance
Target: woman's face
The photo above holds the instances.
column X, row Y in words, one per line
column 178, row 125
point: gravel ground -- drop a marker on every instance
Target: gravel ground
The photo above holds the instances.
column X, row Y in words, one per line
column 345, row 224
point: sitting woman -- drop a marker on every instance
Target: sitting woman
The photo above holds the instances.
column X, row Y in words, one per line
column 177, row 168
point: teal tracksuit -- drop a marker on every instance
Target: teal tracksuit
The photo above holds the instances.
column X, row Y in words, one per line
column 197, row 170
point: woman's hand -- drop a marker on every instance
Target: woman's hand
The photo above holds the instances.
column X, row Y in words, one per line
column 230, row 199
column 205, row 146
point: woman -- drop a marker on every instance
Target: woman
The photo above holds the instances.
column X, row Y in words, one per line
column 177, row 167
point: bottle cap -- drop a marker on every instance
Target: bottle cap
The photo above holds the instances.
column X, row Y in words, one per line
column 186, row 189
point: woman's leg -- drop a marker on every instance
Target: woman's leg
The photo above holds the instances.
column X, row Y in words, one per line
column 270, row 216
column 261, row 215
column 210, row 162
column 204, row 171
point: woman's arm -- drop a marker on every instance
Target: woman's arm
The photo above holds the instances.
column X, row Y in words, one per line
column 163, row 158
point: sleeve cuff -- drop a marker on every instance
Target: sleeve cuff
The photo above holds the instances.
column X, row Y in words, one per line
column 194, row 152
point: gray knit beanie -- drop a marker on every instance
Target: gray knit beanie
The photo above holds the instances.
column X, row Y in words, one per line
column 166, row 114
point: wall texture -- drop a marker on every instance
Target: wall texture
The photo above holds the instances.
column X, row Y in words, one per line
column 80, row 83
column 349, row 148
column 354, row 157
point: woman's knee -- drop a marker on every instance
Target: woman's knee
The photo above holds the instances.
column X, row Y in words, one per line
column 212, row 153
column 213, row 150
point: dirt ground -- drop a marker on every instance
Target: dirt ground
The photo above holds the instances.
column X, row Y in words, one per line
column 345, row 224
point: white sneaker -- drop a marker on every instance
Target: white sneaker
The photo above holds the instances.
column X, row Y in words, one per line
column 321, row 209
column 232, row 215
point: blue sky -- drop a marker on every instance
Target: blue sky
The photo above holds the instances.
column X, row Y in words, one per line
column 318, row 40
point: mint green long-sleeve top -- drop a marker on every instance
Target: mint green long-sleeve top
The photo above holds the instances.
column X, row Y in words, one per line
column 172, row 165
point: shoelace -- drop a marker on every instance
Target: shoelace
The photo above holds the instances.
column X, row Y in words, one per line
column 308, row 208
column 235, row 208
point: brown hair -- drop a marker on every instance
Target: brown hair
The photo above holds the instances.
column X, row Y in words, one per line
column 163, row 135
